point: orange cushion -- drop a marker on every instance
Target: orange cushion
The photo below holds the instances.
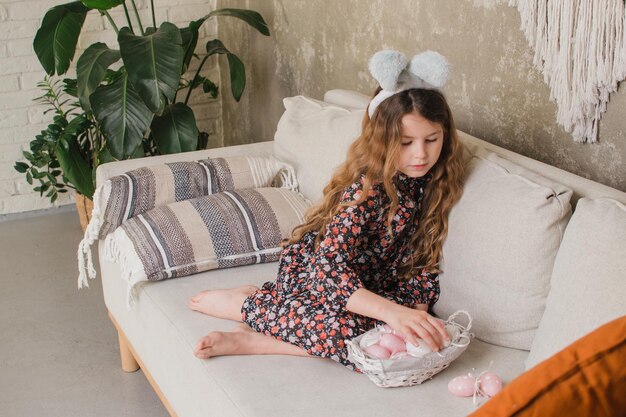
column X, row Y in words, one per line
column 587, row 378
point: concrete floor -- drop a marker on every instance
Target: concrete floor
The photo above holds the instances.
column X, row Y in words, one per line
column 58, row 350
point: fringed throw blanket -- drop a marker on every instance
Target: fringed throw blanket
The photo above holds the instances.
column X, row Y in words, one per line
column 128, row 195
column 222, row 230
column 581, row 49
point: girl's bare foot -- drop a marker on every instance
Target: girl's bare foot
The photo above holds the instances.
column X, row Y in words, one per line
column 243, row 342
column 220, row 343
column 224, row 303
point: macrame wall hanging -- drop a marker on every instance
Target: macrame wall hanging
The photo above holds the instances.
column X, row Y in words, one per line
column 580, row 48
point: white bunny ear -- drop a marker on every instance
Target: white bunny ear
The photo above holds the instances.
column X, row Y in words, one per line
column 385, row 66
column 431, row 67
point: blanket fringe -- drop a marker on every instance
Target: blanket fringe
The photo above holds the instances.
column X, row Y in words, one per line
column 84, row 255
column 580, row 48
column 118, row 248
column 286, row 176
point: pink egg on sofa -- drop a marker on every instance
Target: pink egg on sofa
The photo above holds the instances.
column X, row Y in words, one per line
column 377, row 351
column 490, row 384
column 462, row 386
column 393, row 343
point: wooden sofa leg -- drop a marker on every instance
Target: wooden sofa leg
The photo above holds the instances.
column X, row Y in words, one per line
column 129, row 364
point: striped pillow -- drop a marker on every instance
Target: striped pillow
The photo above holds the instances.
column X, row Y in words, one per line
column 125, row 196
column 222, row 230
column 135, row 192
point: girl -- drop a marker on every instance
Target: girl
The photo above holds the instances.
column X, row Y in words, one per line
column 367, row 253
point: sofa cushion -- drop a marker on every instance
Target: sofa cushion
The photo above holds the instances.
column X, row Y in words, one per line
column 164, row 332
column 586, row 378
column 125, row 196
column 222, row 230
column 503, row 236
column 313, row 137
column 588, row 281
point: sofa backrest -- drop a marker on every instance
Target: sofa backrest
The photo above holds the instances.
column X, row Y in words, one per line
column 504, row 236
column 580, row 186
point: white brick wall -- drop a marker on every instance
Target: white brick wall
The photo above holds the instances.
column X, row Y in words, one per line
column 21, row 119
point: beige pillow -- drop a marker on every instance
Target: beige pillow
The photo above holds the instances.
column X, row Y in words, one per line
column 503, row 236
column 589, row 278
column 313, row 137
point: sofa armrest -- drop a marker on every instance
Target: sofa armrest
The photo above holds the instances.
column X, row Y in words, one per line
column 111, row 169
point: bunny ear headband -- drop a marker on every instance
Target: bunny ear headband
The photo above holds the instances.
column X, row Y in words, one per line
column 395, row 73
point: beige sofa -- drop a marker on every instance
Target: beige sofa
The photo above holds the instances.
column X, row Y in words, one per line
column 533, row 276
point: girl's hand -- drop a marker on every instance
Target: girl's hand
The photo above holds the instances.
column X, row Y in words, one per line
column 414, row 324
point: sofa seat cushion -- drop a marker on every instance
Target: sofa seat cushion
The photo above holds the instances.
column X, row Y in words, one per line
column 503, row 236
column 164, row 332
column 221, row 230
column 589, row 277
column 313, row 137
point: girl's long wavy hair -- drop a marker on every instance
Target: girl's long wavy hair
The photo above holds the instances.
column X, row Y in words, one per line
column 374, row 154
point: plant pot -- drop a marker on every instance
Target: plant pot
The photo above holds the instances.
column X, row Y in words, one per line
column 84, row 206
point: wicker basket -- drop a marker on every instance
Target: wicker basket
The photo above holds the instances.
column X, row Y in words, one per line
column 408, row 370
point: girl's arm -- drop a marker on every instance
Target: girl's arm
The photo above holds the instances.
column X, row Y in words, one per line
column 412, row 323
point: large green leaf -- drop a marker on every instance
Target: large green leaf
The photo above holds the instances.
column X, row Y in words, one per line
column 55, row 41
column 189, row 37
column 251, row 17
column 216, row 46
column 237, row 69
column 102, row 4
column 237, row 76
column 70, row 87
column 175, row 131
column 153, row 63
column 122, row 114
column 75, row 168
column 104, row 156
column 91, row 69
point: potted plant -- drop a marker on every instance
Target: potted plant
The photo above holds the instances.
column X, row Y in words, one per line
column 129, row 111
column 63, row 155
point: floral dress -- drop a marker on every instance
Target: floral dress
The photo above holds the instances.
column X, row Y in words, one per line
column 306, row 304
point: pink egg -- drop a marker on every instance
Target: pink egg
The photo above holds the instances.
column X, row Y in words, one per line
column 387, row 328
column 490, row 384
column 462, row 386
column 393, row 343
column 418, row 350
column 377, row 351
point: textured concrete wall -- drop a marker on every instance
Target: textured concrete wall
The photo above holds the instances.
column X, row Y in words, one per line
column 495, row 92
column 21, row 119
